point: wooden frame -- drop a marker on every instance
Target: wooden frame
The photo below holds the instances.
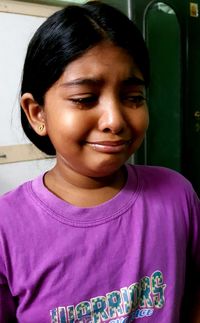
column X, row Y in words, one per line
column 23, row 152
column 27, row 8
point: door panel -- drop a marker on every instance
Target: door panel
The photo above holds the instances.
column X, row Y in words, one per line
column 163, row 140
column 172, row 35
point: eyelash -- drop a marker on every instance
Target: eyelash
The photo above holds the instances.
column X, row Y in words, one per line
column 89, row 102
column 85, row 101
column 136, row 99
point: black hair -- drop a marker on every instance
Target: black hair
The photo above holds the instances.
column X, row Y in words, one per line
column 65, row 36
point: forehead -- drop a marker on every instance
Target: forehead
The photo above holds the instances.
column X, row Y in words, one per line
column 103, row 60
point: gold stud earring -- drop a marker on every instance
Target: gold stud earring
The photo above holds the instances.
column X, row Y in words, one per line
column 41, row 127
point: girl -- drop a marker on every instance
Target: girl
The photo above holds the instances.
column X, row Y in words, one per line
column 93, row 239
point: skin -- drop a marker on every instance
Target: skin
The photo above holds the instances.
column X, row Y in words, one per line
column 96, row 120
column 96, row 117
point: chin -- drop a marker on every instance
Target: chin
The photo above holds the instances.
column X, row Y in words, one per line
column 106, row 170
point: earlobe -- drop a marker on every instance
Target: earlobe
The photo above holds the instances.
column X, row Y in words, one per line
column 34, row 113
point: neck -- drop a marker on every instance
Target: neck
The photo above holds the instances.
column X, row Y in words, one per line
column 84, row 191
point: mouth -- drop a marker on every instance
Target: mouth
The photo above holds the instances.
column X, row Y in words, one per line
column 110, row 146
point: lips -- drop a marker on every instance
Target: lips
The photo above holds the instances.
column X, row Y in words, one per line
column 110, row 146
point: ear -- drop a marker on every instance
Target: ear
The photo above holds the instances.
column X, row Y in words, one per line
column 34, row 113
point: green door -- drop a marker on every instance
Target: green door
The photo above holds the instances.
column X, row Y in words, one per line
column 163, row 140
column 172, row 35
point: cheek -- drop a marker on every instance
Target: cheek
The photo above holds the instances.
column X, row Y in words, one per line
column 140, row 121
column 69, row 125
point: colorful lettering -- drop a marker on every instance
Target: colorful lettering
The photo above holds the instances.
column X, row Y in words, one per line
column 114, row 304
column 145, row 293
column 126, row 300
column 54, row 316
column 138, row 300
column 99, row 309
column 83, row 310
column 158, row 289
column 71, row 314
column 134, row 295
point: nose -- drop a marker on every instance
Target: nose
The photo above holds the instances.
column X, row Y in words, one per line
column 112, row 117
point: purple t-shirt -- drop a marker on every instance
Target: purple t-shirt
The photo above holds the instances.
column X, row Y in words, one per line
column 120, row 261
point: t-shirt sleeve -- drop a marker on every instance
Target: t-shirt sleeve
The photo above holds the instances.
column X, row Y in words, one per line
column 195, row 231
column 7, row 305
column 7, row 301
column 192, row 288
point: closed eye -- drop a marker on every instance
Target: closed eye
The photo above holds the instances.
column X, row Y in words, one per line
column 135, row 100
column 84, row 102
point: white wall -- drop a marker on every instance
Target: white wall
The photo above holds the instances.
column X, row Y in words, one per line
column 15, row 33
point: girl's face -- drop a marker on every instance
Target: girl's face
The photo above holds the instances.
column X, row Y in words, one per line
column 96, row 114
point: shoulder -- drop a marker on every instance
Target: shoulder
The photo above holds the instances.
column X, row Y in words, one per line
column 165, row 182
column 16, row 200
column 9, row 198
column 14, row 195
column 162, row 176
column 170, row 192
column 12, row 206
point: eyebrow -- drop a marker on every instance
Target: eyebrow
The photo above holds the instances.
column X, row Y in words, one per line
column 133, row 80
column 82, row 81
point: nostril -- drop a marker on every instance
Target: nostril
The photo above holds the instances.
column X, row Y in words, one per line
column 112, row 120
column 113, row 130
column 106, row 130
